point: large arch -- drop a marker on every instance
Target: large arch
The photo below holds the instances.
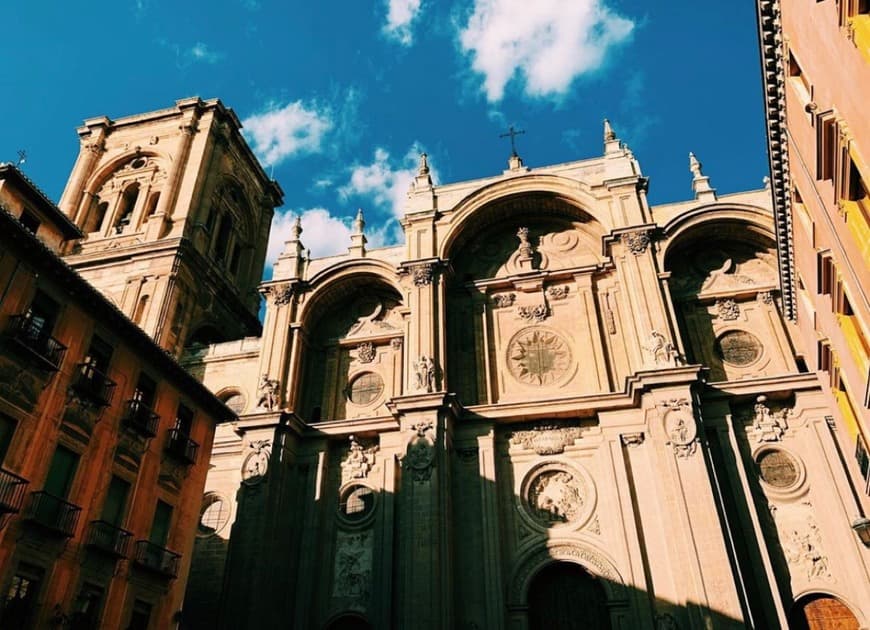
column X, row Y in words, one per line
column 565, row 596
column 472, row 211
column 583, row 553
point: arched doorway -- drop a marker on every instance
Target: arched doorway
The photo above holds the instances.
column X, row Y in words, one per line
column 563, row 596
column 349, row 622
column 822, row 612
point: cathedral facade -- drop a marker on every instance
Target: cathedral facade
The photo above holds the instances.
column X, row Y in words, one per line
column 551, row 404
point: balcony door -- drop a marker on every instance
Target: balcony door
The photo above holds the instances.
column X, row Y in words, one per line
column 61, row 472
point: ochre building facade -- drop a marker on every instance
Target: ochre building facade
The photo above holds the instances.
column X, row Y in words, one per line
column 552, row 405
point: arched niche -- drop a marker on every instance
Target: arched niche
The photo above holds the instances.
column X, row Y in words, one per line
column 723, row 282
column 352, row 348
column 520, row 284
column 558, row 593
column 349, row 621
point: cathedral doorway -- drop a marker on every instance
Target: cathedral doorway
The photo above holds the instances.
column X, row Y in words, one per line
column 822, row 612
column 563, row 596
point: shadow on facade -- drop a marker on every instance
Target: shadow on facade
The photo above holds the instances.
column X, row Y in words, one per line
column 434, row 553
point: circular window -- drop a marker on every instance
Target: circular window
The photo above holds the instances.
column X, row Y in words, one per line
column 365, row 389
column 738, row 347
column 235, row 401
column 213, row 516
column 777, row 468
column 137, row 163
column 357, row 502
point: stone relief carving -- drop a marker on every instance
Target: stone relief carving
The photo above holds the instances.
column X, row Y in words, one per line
column 637, row 242
column 609, row 319
column 368, row 315
column 801, row 541
column 765, row 297
column 538, row 312
column 594, row 527
column 358, row 462
column 557, row 293
column 680, row 427
column 365, row 352
column 666, row 621
column 524, row 250
column 538, row 356
column 256, row 463
column 727, row 310
column 546, row 438
column 419, row 457
column 281, row 295
column 268, row 390
column 556, row 496
column 424, row 374
column 422, row 274
column 632, row 440
column 767, row 425
column 503, row 300
column 353, row 565
column 396, row 343
column 660, row 351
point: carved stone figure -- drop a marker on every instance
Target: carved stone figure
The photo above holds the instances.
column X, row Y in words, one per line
column 525, row 248
column 768, row 426
column 422, row 274
column 353, row 560
column 282, row 295
column 661, row 351
column 358, row 461
column 424, row 374
column 268, row 390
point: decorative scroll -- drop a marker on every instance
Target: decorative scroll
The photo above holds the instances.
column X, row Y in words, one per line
column 546, row 439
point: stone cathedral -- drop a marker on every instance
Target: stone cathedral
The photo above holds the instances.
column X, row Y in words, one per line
column 552, row 406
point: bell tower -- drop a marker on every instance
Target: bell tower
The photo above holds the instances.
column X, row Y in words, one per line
column 176, row 212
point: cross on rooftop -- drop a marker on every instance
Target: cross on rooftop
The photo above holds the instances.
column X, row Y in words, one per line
column 513, row 133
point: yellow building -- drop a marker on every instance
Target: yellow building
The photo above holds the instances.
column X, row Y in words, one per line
column 816, row 68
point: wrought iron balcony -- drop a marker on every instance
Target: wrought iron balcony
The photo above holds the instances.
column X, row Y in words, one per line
column 53, row 513
column 156, row 558
column 93, row 385
column 109, row 539
column 12, row 489
column 30, row 336
column 182, row 447
column 141, row 418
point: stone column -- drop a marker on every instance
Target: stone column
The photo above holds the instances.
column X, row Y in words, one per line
column 92, row 147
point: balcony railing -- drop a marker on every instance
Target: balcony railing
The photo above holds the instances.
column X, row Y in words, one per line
column 53, row 513
column 30, row 335
column 182, row 447
column 93, row 385
column 12, row 489
column 156, row 558
column 109, row 539
column 141, row 418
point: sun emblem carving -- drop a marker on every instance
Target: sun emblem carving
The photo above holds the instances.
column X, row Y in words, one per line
column 538, row 356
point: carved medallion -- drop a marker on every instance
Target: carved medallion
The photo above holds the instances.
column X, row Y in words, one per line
column 682, row 433
column 555, row 495
column 256, row 464
column 738, row 347
column 419, row 457
column 538, row 356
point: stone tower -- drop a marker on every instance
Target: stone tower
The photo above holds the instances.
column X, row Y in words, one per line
column 176, row 213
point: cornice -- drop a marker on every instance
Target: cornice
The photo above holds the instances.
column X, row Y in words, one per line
column 773, row 81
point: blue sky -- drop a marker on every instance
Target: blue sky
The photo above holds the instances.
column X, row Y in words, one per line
column 339, row 96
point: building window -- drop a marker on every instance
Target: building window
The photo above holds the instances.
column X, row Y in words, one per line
column 863, row 458
column 214, row 515
column 85, row 613
column 826, row 146
column 160, row 524
column 125, row 210
column 115, row 507
column 19, row 605
column 140, row 616
column 827, row 273
column 7, row 430
column 94, row 219
column 798, row 79
column 235, row 400
column 223, row 238
column 29, row 221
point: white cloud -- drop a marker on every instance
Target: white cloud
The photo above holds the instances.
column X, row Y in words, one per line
column 324, row 233
column 386, row 180
column 400, row 19
column 546, row 43
column 281, row 132
column 201, row 52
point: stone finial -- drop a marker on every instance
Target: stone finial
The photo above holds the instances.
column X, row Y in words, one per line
column 612, row 144
column 423, row 179
column 358, row 238
column 700, row 182
column 291, row 258
column 296, row 230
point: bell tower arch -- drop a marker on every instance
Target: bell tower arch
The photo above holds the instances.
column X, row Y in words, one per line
column 176, row 212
